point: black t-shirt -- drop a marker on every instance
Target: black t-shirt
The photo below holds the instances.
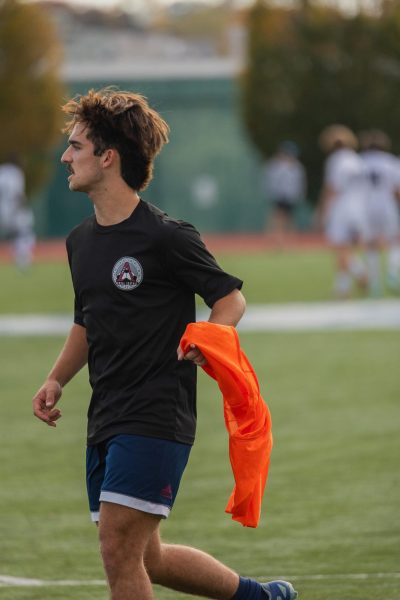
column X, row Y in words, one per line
column 135, row 285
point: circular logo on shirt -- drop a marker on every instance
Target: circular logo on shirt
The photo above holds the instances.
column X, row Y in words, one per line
column 127, row 273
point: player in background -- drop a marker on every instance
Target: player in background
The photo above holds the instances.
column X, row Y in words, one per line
column 342, row 208
column 16, row 217
column 285, row 188
column 383, row 169
column 135, row 272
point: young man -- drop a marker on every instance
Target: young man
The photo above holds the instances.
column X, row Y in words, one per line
column 383, row 170
column 343, row 207
column 135, row 273
column 16, row 217
column 285, row 187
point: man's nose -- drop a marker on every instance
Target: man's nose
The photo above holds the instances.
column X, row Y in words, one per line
column 65, row 157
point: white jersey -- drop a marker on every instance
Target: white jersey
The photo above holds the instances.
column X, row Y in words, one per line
column 346, row 176
column 12, row 194
column 383, row 171
column 285, row 180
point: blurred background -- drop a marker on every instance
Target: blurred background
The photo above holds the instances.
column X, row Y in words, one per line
column 232, row 78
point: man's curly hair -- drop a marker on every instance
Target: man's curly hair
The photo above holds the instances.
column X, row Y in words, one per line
column 124, row 121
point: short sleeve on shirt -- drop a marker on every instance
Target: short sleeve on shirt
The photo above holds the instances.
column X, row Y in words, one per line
column 189, row 262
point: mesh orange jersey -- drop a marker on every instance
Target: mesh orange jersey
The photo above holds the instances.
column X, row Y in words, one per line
column 247, row 417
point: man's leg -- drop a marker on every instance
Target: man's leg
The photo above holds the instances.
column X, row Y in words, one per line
column 343, row 282
column 132, row 553
column 124, row 535
column 188, row 570
column 373, row 262
column 357, row 267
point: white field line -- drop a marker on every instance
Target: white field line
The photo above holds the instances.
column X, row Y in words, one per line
column 323, row 316
column 314, row 316
column 7, row 581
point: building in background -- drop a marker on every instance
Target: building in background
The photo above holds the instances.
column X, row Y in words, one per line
column 209, row 173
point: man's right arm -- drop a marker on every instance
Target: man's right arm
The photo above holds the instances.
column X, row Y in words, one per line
column 72, row 358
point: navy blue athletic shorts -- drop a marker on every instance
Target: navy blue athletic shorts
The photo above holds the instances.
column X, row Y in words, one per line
column 135, row 471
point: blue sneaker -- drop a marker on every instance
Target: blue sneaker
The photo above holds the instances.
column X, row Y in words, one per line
column 279, row 590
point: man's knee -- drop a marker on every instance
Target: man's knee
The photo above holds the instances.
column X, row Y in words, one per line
column 115, row 552
column 123, row 537
column 110, row 554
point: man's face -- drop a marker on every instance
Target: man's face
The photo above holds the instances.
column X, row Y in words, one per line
column 85, row 172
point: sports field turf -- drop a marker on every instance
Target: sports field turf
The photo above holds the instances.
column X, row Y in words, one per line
column 269, row 277
column 330, row 515
column 331, row 506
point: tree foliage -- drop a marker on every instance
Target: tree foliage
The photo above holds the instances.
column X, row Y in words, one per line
column 202, row 22
column 312, row 66
column 31, row 91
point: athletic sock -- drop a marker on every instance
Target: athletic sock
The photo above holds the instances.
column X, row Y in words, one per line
column 249, row 589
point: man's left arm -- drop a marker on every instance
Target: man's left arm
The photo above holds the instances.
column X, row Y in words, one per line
column 228, row 310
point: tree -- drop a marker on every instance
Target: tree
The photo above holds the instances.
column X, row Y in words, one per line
column 31, row 91
column 312, row 66
column 196, row 21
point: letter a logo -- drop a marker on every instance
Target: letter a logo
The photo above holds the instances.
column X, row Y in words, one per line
column 127, row 273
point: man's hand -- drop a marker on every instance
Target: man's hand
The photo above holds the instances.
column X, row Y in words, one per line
column 45, row 400
column 193, row 354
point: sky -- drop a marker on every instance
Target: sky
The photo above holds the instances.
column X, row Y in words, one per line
column 135, row 5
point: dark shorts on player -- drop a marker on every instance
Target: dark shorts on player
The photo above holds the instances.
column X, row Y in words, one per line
column 284, row 206
column 136, row 471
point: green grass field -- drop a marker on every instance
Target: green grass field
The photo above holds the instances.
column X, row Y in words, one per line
column 331, row 506
column 269, row 277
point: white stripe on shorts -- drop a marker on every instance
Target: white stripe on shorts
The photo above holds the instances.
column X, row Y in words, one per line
column 144, row 505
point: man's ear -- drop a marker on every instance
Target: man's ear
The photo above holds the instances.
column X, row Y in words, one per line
column 109, row 157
